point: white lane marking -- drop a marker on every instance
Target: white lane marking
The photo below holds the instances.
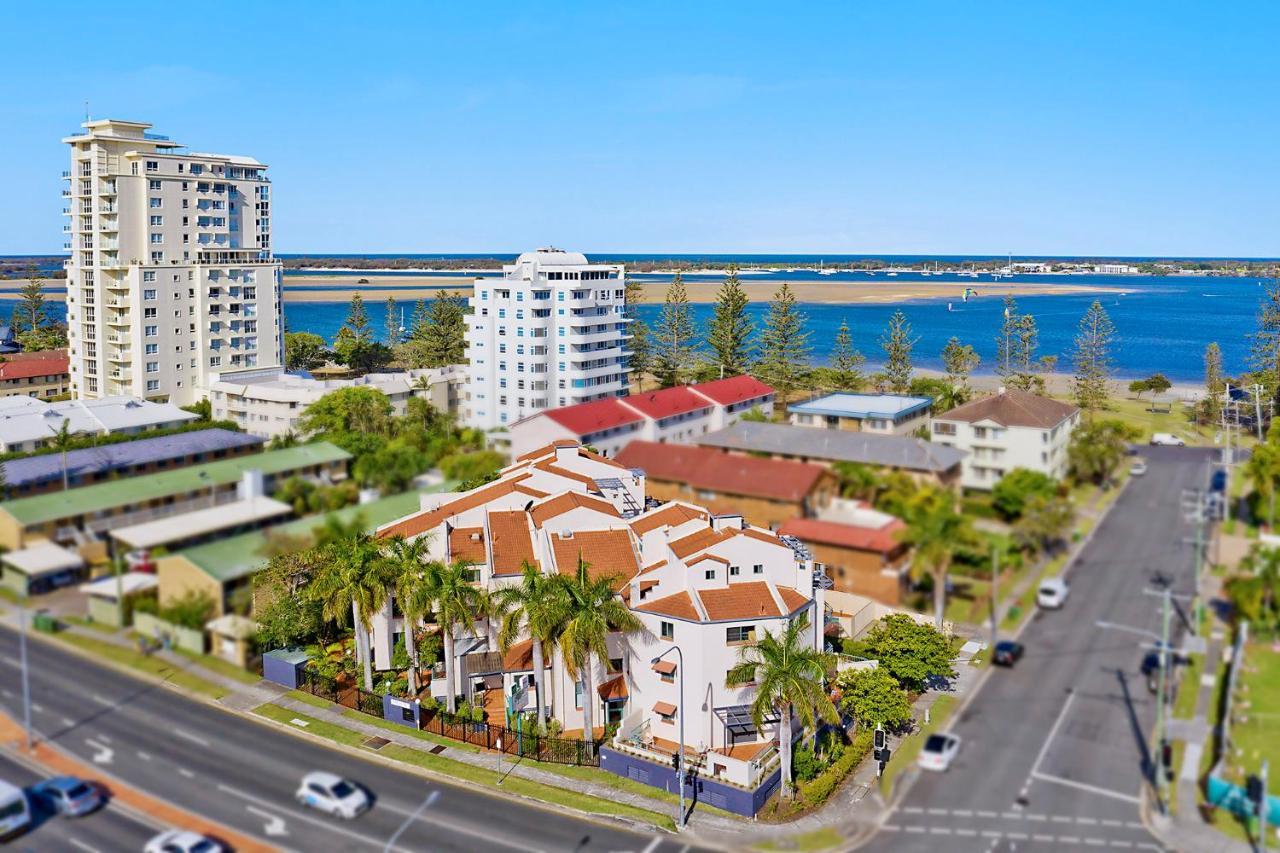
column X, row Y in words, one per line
column 986, row 814
column 962, row 813
column 6, row 692
column 80, row 845
column 939, row 811
column 912, row 810
column 186, row 735
column 1087, row 820
column 1058, row 818
column 1113, row 823
column 187, row 773
column 1038, row 837
column 653, row 845
column 1121, row 843
column 67, row 721
column 37, row 707
column 13, row 663
column 1069, row 839
column 1037, row 817
column 916, row 829
column 102, row 754
column 1053, row 732
column 990, row 833
column 275, row 824
column 1011, row 815
column 1096, row 842
column 145, row 756
column 1016, row 836
column 101, row 700
column 968, row 833
column 1093, row 789
column 940, row 830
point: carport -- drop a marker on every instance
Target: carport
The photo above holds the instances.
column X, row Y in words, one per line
column 41, row 568
column 111, row 598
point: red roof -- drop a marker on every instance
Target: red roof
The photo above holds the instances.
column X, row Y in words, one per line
column 880, row 539
column 667, row 403
column 729, row 474
column 44, row 364
column 735, row 389
column 596, row 416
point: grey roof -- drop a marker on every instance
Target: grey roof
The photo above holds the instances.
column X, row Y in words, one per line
column 113, row 457
column 835, row 446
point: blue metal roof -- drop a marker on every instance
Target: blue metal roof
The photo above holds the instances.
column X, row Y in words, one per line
column 111, row 457
column 887, row 406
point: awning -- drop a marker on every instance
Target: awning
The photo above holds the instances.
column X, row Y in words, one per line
column 202, row 522
column 665, row 667
column 128, row 584
column 613, row 689
column 43, row 558
column 665, row 709
column 737, row 718
column 233, row 625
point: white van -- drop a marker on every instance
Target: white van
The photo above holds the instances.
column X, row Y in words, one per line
column 15, row 813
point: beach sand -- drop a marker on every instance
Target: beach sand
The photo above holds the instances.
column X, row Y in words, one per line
column 340, row 287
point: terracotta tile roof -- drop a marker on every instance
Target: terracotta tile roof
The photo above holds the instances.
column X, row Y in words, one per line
column 647, row 585
column 671, row 515
column 614, row 688
column 679, row 605
column 423, row 521
column 792, row 599
column 519, row 658
column 566, row 501
column 739, row 601
column 735, row 389
column 467, row 543
column 708, row 469
column 756, row 533
column 510, row 541
column 546, row 450
column 699, row 540
column 530, row 490
column 702, row 558
column 1012, row 408
column 607, row 552
column 550, row 467
column 35, row 364
column 596, row 416
column 667, row 403
column 881, row 540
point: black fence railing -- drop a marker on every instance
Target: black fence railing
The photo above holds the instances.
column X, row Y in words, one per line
column 349, row 696
column 555, row 750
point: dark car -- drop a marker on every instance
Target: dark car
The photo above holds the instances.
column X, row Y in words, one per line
column 1007, row 653
column 1219, row 481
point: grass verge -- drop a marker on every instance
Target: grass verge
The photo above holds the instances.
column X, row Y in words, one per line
column 1184, row 706
column 307, row 698
column 807, row 842
column 467, row 772
column 100, row 627
column 142, row 663
column 910, row 746
column 415, row 733
column 222, row 667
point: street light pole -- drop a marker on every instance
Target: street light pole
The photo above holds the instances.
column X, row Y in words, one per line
column 680, row 711
column 1161, row 710
column 995, row 600
column 26, row 680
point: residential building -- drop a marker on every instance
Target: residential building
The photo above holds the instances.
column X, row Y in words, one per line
column 28, row 424
column 766, row 492
column 861, row 549
column 922, row 460
column 552, row 331
column 270, row 402
column 171, row 274
column 707, row 584
column 1010, row 429
column 83, row 517
column 8, row 341
column 34, row 475
column 678, row 415
column 884, row 414
column 35, row 374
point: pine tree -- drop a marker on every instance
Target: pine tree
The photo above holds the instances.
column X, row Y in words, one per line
column 641, row 351
column 1093, row 358
column 392, row 322
column 674, row 343
column 897, row 344
column 959, row 360
column 1264, row 356
column 846, row 361
column 1215, row 385
column 1016, row 347
column 784, row 344
column 444, row 339
column 729, row 330
column 421, row 320
column 354, row 343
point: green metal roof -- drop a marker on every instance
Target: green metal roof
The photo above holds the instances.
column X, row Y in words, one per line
column 228, row 559
column 135, row 490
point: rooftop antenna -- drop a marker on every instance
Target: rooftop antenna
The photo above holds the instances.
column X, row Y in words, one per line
column 86, row 111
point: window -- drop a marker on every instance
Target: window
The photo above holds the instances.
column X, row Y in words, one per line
column 156, row 239
column 152, row 349
column 149, row 331
column 149, row 275
column 710, row 574
column 734, row 571
column 943, row 429
column 157, row 220
column 757, row 569
column 667, row 630
column 155, row 202
column 153, row 384
column 153, row 185
column 149, row 294
column 740, row 634
column 153, row 367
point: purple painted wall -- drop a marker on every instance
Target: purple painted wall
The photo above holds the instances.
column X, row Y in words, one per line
column 703, row 790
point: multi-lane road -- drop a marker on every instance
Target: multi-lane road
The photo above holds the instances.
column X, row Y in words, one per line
column 1055, row 751
column 243, row 775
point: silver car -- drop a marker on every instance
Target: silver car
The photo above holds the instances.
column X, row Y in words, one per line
column 68, row 795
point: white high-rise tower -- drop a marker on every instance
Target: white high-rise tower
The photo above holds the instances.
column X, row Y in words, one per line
column 171, row 275
column 551, row 332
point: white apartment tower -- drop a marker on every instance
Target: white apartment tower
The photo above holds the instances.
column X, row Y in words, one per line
column 171, row 275
column 551, row 332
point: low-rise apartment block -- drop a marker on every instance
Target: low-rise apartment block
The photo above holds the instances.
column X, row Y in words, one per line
column 676, row 415
column 1011, row 429
column 35, row 374
column 883, row 414
column 28, row 424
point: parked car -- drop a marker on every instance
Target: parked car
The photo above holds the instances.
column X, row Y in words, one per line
column 1218, row 482
column 182, row 841
column 1052, row 593
column 1138, row 468
column 1167, row 439
column 1007, row 653
column 939, row 751
column 333, row 795
column 68, row 795
column 15, row 811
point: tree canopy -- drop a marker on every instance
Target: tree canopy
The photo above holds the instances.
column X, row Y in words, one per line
column 910, row 651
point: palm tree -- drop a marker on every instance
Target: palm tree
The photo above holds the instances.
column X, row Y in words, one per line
column 354, row 575
column 788, row 673
column 934, row 529
column 413, row 587
column 857, row 480
column 458, row 601
column 592, row 611
column 62, row 441
column 535, row 606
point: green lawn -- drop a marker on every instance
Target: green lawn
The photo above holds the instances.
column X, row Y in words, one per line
column 460, row 770
column 396, row 727
column 808, row 842
column 100, row 627
column 142, row 663
column 1176, row 421
column 1257, row 710
column 222, row 667
column 315, row 701
column 909, row 747
column 1184, row 706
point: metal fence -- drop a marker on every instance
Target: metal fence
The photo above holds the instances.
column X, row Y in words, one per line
column 513, row 741
column 347, row 696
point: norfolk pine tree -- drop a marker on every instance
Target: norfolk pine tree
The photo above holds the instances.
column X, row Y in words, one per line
column 729, row 330
column 674, row 338
column 897, row 344
column 1215, row 385
column 1093, row 358
column 1264, row 355
column 959, row 360
column 846, row 361
column 784, row 344
column 641, row 345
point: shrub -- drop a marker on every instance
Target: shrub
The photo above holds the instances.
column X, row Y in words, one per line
column 817, row 792
column 805, row 764
column 1010, row 495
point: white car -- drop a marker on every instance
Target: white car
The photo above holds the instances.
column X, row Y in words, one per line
column 182, row 841
column 939, row 751
column 1052, row 593
column 15, row 811
column 1138, row 468
column 1167, row 439
column 333, row 795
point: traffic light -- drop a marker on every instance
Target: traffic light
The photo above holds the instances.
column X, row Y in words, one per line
column 1166, row 758
column 675, row 761
column 1253, row 789
column 883, row 754
column 879, row 738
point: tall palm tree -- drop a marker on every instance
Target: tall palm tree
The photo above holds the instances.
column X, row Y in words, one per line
column 354, row 575
column 934, row 529
column 788, row 673
column 62, row 441
column 592, row 611
column 458, row 601
column 406, row 559
column 535, row 606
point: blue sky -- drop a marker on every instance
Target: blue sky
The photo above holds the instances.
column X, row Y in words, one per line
column 1030, row 127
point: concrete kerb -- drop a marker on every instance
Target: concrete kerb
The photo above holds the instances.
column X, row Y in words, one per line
column 902, row 789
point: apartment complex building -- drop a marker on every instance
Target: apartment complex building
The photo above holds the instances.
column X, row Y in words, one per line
column 706, row 584
column 35, row 374
column 677, row 415
column 28, row 423
column 551, row 332
column 885, row 414
column 1010, row 429
column 171, row 274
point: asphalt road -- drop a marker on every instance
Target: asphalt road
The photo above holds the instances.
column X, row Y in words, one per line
column 244, row 775
column 105, row 829
column 1054, row 751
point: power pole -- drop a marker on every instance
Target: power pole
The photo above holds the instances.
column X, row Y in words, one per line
column 995, row 599
column 1262, row 810
column 1161, row 711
